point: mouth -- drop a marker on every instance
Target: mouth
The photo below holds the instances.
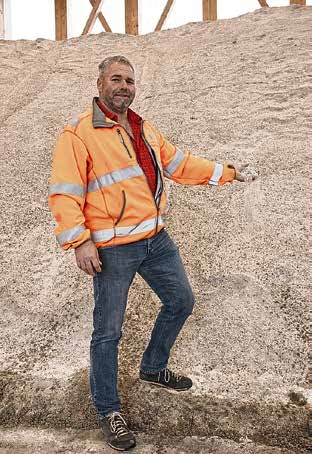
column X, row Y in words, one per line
column 121, row 95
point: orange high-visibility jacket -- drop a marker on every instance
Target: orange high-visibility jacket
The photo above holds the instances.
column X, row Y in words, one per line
column 98, row 191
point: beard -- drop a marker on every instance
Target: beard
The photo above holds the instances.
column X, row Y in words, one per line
column 119, row 104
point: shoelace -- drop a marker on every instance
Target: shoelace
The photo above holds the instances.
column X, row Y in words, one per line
column 169, row 373
column 118, row 424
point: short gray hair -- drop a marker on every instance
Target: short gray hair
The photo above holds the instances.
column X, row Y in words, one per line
column 105, row 64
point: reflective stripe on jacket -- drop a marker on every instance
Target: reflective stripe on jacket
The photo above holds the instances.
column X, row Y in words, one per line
column 98, row 190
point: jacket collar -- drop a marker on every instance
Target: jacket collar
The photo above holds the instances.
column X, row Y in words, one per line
column 99, row 120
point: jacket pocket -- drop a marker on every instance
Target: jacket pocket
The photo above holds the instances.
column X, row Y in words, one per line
column 122, row 140
column 123, row 208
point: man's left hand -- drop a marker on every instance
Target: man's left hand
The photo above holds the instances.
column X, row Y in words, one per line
column 239, row 175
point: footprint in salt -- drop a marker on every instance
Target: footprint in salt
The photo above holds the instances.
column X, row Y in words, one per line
column 252, row 196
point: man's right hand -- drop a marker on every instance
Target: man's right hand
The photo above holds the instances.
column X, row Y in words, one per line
column 87, row 258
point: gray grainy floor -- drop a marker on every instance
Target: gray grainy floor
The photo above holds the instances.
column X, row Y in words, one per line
column 36, row 441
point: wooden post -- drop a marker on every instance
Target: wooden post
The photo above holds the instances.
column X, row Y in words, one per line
column 2, row 31
column 60, row 19
column 132, row 17
column 298, row 2
column 209, row 10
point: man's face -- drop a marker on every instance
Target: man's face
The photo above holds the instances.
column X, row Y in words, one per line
column 117, row 87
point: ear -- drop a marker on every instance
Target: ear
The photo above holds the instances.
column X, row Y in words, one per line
column 98, row 83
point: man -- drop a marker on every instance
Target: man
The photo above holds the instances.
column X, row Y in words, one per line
column 107, row 195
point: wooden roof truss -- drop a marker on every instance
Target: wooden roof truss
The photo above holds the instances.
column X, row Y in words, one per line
column 209, row 8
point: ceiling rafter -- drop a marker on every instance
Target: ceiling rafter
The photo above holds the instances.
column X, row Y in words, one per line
column 263, row 3
column 164, row 15
column 92, row 17
column 102, row 18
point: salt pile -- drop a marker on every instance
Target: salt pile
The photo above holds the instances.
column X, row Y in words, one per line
column 239, row 90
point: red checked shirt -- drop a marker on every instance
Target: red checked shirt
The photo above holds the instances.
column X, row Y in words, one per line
column 143, row 156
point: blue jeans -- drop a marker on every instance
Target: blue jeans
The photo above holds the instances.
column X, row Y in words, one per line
column 158, row 261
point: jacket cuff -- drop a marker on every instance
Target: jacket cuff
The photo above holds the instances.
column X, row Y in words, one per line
column 228, row 175
column 78, row 241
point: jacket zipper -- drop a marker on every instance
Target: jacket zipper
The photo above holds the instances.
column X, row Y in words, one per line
column 123, row 142
column 156, row 167
column 157, row 173
column 155, row 163
column 123, row 208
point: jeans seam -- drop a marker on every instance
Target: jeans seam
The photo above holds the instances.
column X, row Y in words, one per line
column 159, row 336
column 155, row 348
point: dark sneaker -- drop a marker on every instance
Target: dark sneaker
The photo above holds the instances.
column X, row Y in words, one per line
column 167, row 379
column 116, row 432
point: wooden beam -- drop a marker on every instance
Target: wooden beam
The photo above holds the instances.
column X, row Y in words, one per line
column 2, row 31
column 93, row 15
column 209, row 10
column 60, row 7
column 102, row 19
column 132, row 17
column 164, row 15
column 263, row 3
column 298, row 2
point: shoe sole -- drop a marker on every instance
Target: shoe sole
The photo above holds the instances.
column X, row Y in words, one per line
column 173, row 390
column 121, row 449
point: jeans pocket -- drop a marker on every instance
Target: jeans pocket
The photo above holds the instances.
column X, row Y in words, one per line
column 165, row 242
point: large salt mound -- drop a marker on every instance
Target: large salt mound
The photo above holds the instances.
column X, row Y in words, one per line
column 238, row 90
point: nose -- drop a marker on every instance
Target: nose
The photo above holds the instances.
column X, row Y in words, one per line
column 123, row 84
